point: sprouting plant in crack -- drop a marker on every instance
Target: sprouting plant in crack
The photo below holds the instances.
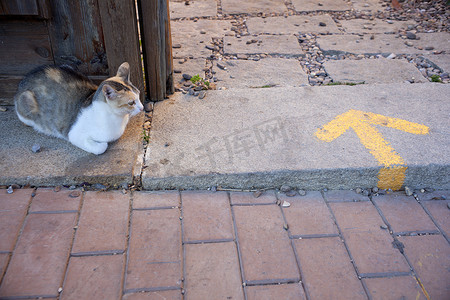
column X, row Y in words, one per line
column 435, row 78
column 145, row 136
column 200, row 82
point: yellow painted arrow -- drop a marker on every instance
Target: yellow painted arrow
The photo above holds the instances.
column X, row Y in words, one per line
column 393, row 174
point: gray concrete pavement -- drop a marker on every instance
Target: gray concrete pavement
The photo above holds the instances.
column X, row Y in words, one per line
column 61, row 163
column 244, row 138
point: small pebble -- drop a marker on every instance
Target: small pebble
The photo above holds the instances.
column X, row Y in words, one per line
column 75, row 194
column 285, row 188
column 3, row 109
column 176, row 46
column 383, row 226
column 408, row 191
column 36, row 148
column 411, row 36
column 302, row 192
column 10, row 190
column 57, row 188
column 257, row 194
column 187, row 77
column 448, row 205
column 285, row 204
column 322, row 24
column 291, row 193
column 358, row 190
column 202, row 95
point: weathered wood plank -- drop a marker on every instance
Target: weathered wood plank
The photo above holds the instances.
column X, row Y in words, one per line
column 24, row 45
column 8, row 86
column 121, row 37
column 19, row 7
column 77, row 37
column 155, row 33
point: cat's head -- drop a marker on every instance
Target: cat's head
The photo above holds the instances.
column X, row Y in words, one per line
column 120, row 93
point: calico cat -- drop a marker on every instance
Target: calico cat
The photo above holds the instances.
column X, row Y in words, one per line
column 61, row 102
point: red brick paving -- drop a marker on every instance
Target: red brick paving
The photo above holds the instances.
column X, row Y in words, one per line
column 39, row 261
column 13, row 208
column 370, row 245
column 212, row 271
column 103, row 224
column 401, row 287
column 49, row 200
column 94, row 277
column 430, row 257
column 206, row 216
column 265, row 247
column 69, row 243
column 325, row 262
column 293, row 291
column 308, row 215
column 154, row 256
column 404, row 213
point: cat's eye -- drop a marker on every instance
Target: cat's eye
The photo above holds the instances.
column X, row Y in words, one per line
column 131, row 103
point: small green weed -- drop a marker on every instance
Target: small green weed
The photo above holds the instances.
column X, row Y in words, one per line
column 435, row 78
column 145, row 136
column 198, row 81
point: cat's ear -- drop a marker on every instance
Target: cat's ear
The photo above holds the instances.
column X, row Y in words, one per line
column 109, row 92
column 124, row 72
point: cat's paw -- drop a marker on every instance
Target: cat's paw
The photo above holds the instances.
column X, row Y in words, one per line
column 98, row 148
column 89, row 145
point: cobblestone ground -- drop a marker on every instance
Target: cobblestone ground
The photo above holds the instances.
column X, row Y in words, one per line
column 70, row 244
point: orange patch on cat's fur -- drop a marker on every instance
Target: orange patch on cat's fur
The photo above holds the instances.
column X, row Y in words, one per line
column 53, row 74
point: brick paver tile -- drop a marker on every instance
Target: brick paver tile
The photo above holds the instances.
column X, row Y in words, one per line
column 103, row 224
column 4, row 257
column 49, row 200
column 404, row 213
column 206, row 216
column 370, row 246
column 292, row 291
column 155, row 199
column 212, row 271
column 158, row 295
column 94, row 277
column 436, row 195
column 402, row 287
column 430, row 257
column 327, row 270
column 39, row 260
column 308, row 215
column 344, row 196
column 155, row 249
column 13, row 208
column 265, row 247
column 440, row 212
column 249, row 198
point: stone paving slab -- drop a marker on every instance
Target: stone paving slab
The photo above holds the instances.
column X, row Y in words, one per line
column 230, row 7
column 268, row 44
column 367, row 5
column 371, row 71
column 190, row 66
column 189, row 38
column 374, row 26
column 197, row 8
column 323, row 5
column 383, row 44
column 254, row 74
column 263, row 260
column 271, row 138
column 292, row 25
column 59, row 162
column 442, row 61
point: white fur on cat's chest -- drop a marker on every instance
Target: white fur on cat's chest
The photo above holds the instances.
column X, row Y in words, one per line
column 99, row 123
